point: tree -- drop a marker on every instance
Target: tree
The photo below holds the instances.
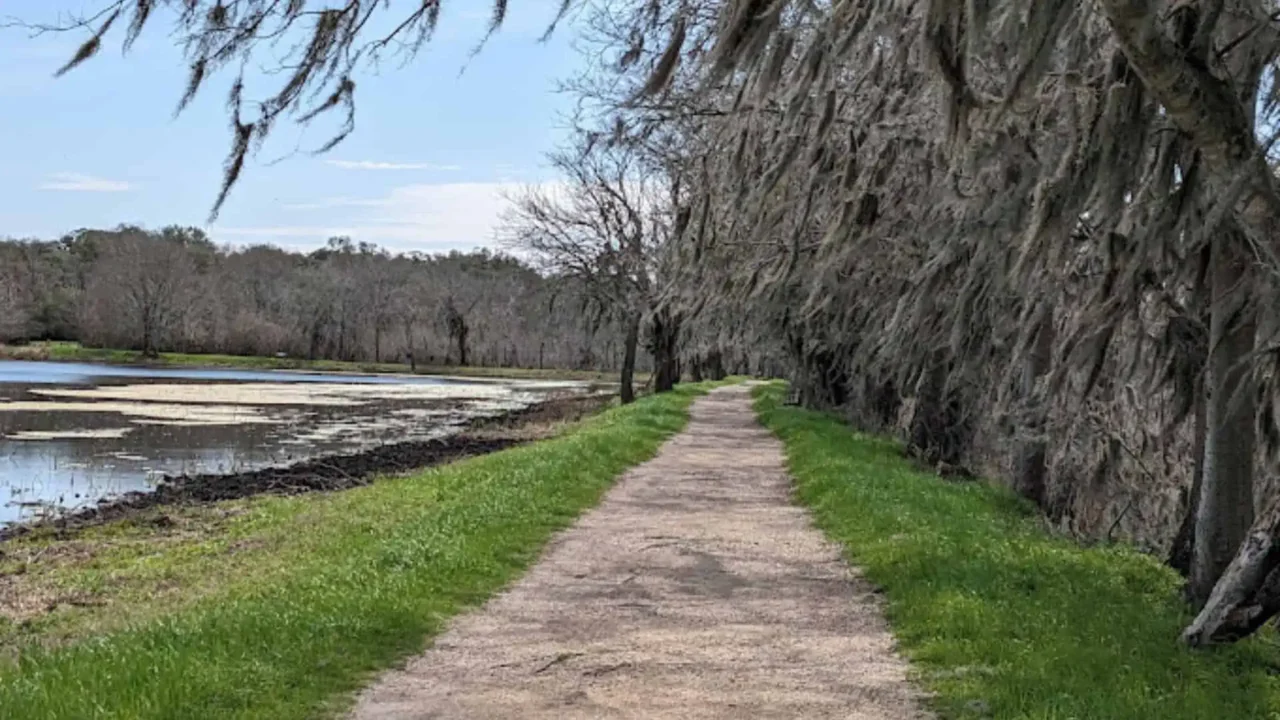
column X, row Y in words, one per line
column 409, row 303
column 604, row 229
column 140, row 280
column 14, row 296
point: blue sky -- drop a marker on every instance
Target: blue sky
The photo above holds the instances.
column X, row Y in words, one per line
column 432, row 151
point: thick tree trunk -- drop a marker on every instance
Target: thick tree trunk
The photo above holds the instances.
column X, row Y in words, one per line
column 695, row 369
column 1184, row 542
column 939, row 431
column 627, row 380
column 666, row 366
column 1196, row 330
column 1248, row 593
column 1031, row 469
column 883, row 403
column 1226, row 490
column 715, row 365
column 832, row 379
column 822, row 380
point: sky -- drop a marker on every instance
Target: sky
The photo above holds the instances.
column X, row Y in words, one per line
column 434, row 147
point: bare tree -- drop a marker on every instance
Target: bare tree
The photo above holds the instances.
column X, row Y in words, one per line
column 140, row 280
column 15, row 288
column 603, row 228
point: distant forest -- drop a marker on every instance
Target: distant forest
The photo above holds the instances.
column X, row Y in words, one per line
column 173, row 289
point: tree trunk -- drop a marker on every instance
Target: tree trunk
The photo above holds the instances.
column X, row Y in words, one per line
column 1248, row 593
column 1184, row 542
column 377, row 344
column 666, row 367
column 313, row 347
column 883, row 403
column 408, row 337
column 939, row 430
column 715, row 365
column 627, row 380
column 1031, row 470
column 1226, row 491
column 832, row 378
column 462, row 343
column 148, row 340
column 1196, row 327
column 695, row 369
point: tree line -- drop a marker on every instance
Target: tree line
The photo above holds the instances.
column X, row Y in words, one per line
column 1035, row 239
column 173, row 289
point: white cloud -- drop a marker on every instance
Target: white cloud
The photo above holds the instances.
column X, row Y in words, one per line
column 426, row 217
column 376, row 165
column 79, row 182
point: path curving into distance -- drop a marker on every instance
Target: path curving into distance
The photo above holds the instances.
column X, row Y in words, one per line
column 694, row 590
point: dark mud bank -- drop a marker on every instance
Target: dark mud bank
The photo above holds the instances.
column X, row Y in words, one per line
column 330, row 472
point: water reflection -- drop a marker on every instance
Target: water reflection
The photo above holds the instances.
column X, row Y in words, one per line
column 31, row 372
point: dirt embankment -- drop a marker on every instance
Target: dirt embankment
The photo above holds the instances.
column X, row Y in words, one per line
column 334, row 472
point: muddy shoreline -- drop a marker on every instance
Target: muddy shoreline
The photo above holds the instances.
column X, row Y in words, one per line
column 330, row 472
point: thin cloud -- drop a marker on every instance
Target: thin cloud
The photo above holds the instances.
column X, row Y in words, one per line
column 432, row 217
column 79, row 182
column 376, row 165
column 336, row 202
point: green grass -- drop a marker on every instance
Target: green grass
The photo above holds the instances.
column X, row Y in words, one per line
column 999, row 618
column 74, row 352
column 308, row 596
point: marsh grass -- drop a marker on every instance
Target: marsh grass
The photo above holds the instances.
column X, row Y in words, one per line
column 999, row 618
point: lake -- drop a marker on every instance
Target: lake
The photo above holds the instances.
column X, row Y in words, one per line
column 72, row 434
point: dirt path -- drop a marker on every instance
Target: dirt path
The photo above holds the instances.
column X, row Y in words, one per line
column 695, row 590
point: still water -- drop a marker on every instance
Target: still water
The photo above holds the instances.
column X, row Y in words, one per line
column 34, row 372
column 72, row 434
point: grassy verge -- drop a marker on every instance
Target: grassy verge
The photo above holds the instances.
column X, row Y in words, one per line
column 74, row 352
column 1000, row 619
column 296, row 601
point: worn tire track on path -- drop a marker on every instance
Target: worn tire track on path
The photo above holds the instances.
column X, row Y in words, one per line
column 696, row 589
